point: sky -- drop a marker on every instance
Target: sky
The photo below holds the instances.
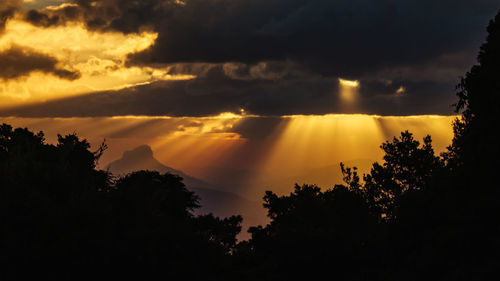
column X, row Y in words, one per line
column 263, row 89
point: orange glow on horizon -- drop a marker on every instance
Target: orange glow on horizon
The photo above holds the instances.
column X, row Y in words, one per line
column 301, row 145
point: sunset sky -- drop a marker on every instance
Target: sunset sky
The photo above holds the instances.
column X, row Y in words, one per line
column 265, row 91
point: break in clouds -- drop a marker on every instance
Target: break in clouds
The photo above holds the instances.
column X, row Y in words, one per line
column 278, row 57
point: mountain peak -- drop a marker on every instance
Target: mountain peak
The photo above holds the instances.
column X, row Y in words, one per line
column 213, row 199
column 141, row 152
column 140, row 158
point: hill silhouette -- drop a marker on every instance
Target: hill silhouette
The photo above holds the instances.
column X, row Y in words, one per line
column 141, row 158
column 212, row 198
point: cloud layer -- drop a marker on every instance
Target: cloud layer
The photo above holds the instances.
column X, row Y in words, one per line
column 348, row 37
column 8, row 8
column 214, row 92
column 18, row 62
column 279, row 57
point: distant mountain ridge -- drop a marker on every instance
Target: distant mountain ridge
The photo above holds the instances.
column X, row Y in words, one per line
column 212, row 199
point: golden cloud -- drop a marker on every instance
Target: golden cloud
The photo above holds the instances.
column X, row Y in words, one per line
column 99, row 57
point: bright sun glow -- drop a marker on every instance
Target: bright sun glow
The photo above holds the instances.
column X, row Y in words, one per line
column 349, row 83
column 348, row 90
column 401, row 90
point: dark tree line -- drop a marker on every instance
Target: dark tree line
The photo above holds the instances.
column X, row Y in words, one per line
column 415, row 216
column 62, row 218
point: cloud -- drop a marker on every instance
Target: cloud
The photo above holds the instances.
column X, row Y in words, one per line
column 8, row 8
column 259, row 127
column 100, row 15
column 18, row 62
column 215, row 92
column 348, row 37
column 281, row 57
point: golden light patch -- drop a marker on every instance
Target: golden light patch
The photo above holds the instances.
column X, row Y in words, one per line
column 180, row 2
column 99, row 58
column 348, row 90
column 61, row 6
column 73, row 42
column 320, row 139
column 401, row 90
column 349, row 83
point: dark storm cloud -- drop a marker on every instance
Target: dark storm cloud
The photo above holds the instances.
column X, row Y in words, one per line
column 8, row 8
column 283, row 57
column 214, row 92
column 102, row 15
column 259, row 127
column 18, row 62
column 345, row 37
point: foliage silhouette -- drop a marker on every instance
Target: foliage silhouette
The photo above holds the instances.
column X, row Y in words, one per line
column 62, row 217
column 407, row 168
column 473, row 157
column 310, row 232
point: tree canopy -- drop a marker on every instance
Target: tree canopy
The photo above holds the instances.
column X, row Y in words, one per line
column 62, row 217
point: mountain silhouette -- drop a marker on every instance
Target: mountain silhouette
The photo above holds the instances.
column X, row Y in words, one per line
column 141, row 158
column 212, row 198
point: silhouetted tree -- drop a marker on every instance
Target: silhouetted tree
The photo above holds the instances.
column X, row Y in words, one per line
column 48, row 199
column 473, row 160
column 159, row 233
column 407, row 167
column 62, row 218
column 155, row 194
column 476, row 143
column 312, row 233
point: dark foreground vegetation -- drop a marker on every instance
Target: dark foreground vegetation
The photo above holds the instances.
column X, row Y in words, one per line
column 416, row 216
